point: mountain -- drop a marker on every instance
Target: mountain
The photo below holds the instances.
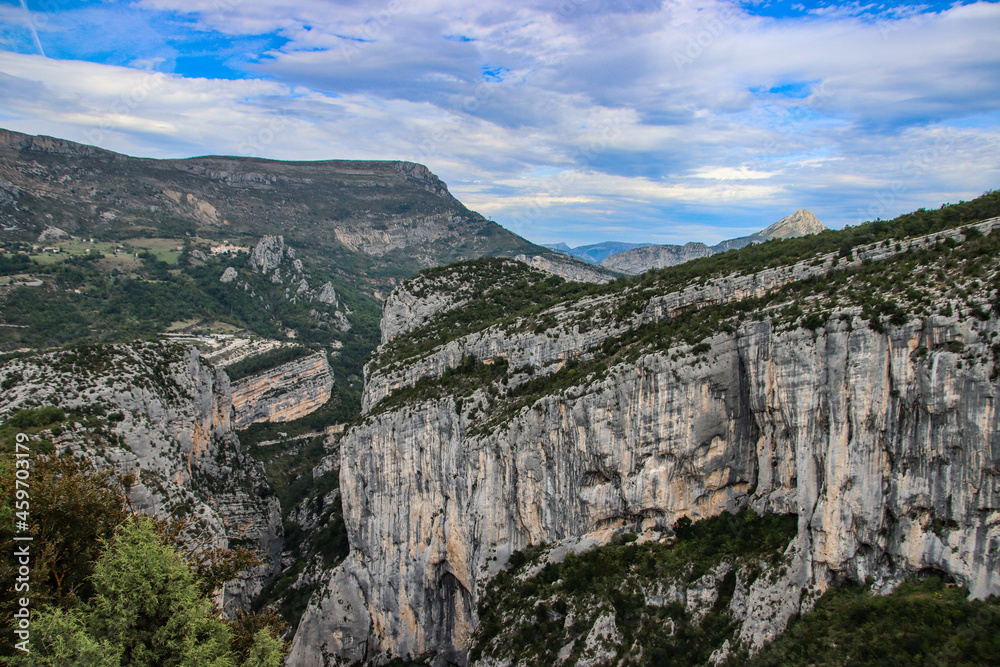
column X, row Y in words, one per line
column 800, row 223
column 377, row 219
column 483, row 463
column 637, row 260
column 679, row 464
column 273, row 271
column 596, row 252
column 157, row 410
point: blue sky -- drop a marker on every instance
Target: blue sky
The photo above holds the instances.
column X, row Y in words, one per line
column 564, row 120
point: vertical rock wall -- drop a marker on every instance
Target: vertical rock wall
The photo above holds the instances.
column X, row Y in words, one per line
column 874, row 447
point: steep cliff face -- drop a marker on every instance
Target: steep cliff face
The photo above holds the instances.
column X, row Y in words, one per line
column 871, row 420
column 642, row 259
column 158, row 411
column 566, row 268
column 284, row 393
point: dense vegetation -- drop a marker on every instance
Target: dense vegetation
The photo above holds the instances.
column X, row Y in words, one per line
column 529, row 619
column 494, row 289
column 84, row 302
column 263, row 362
column 109, row 588
column 531, row 611
column 948, row 278
column 925, row 621
column 289, row 452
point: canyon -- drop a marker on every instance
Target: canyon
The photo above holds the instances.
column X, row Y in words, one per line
column 881, row 438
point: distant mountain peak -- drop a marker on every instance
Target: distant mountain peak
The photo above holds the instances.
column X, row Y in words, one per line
column 800, row 223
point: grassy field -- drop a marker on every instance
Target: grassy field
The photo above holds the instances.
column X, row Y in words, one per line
column 116, row 255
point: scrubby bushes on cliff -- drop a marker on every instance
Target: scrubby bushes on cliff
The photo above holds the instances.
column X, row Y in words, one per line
column 263, row 362
column 529, row 620
column 923, row 622
column 111, row 588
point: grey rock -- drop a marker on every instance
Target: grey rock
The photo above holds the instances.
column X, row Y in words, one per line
column 268, row 253
column 327, row 294
column 569, row 269
column 283, row 393
column 865, row 442
column 638, row 260
column 51, row 232
column 642, row 259
column 229, row 275
column 176, row 431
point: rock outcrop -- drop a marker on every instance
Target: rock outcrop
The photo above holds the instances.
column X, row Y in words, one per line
column 268, row 253
column 158, row 411
column 283, row 393
column 568, row 269
column 882, row 438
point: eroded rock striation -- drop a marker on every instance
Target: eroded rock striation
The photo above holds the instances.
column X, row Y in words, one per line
column 879, row 433
column 283, row 393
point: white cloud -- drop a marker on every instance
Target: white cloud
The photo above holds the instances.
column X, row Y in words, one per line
column 658, row 111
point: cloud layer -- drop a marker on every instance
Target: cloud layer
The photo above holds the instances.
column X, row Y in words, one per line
column 565, row 120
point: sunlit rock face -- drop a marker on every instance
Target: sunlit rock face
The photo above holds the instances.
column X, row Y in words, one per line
column 884, row 443
column 284, row 393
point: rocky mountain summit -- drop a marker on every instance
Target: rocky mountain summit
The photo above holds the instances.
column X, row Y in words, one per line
column 839, row 381
column 637, row 260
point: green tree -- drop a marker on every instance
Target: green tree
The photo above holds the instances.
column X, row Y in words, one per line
column 73, row 509
column 149, row 602
column 148, row 610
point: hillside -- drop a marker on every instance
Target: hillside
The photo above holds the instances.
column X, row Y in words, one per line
column 369, row 220
column 845, row 378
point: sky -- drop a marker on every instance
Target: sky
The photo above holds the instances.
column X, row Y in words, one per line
column 577, row 121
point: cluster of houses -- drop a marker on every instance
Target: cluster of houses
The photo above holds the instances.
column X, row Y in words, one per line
column 226, row 248
column 223, row 248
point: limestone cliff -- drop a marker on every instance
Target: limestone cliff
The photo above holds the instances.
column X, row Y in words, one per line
column 284, row 393
column 801, row 389
column 567, row 268
column 642, row 259
column 156, row 410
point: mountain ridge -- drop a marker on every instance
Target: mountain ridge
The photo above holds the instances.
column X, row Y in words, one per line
column 799, row 223
column 638, row 257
